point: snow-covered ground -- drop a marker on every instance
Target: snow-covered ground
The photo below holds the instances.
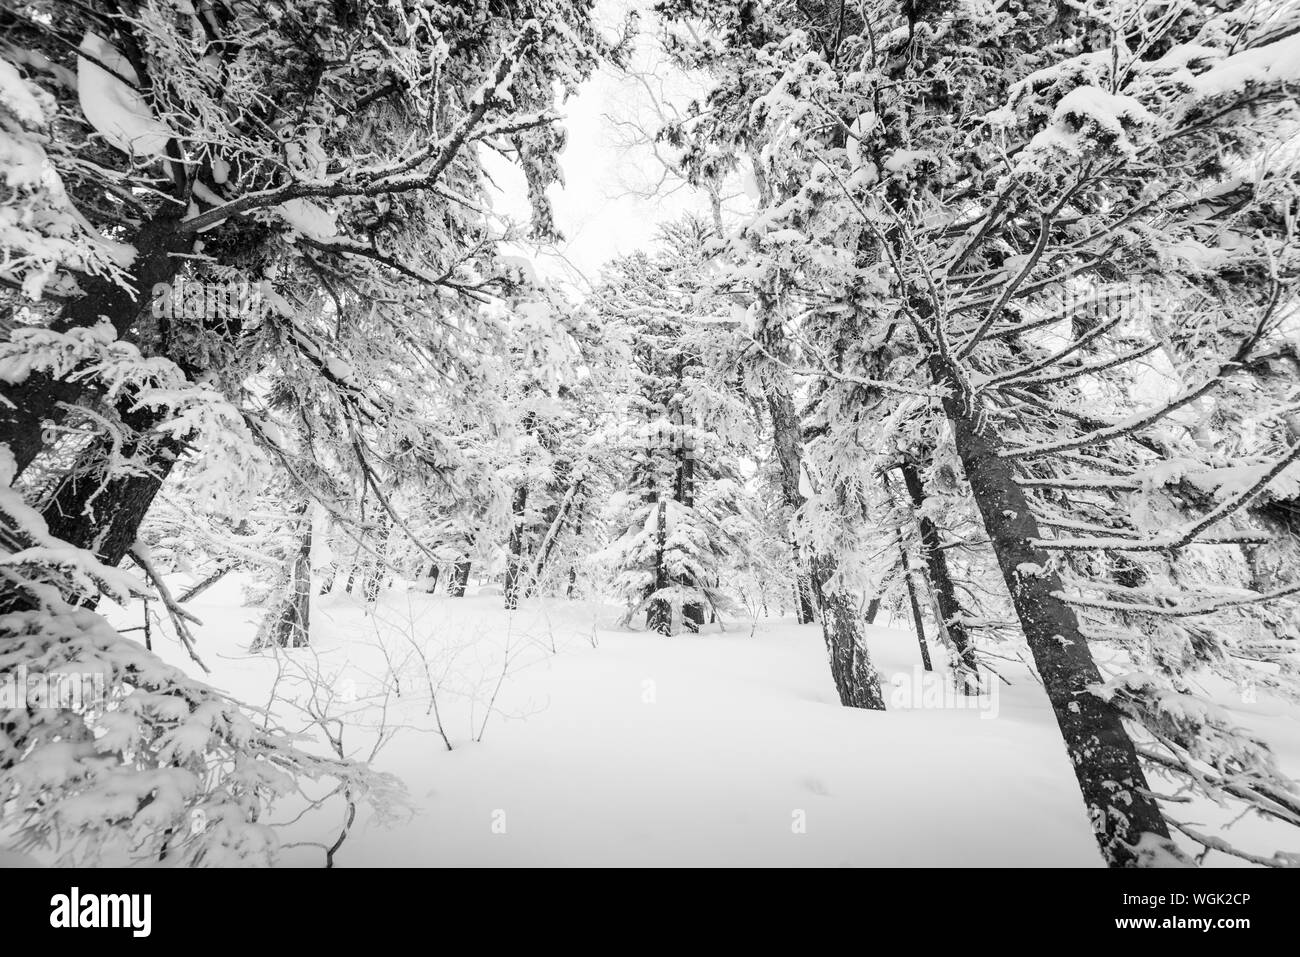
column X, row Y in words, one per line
column 575, row 742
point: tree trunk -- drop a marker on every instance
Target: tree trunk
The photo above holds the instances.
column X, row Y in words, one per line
column 573, row 570
column 288, row 625
column 559, row 517
column 105, row 516
column 431, row 578
column 460, row 578
column 916, row 607
column 855, row 677
column 693, row 613
column 659, row 616
column 514, row 563
column 101, row 516
column 936, row 564
column 788, row 444
column 27, row 406
column 1105, row 762
column 375, row 578
column 873, row 609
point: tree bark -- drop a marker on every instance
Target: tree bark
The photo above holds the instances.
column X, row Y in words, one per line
column 916, row 606
column 1106, row 766
column 288, row 625
column 936, row 565
column 514, row 564
column 856, row 679
column 659, row 616
column 788, row 444
column 28, row 406
column 693, row 613
column 375, row 576
column 103, row 514
column 460, row 578
column 559, row 517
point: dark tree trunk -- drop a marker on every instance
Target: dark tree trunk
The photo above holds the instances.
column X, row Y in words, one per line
column 916, row 606
column 40, row 399
column 936, row 565
column 431, row 578
column 659, row 616
column 375, row 578
column 558, row 517
column 460, row 579
column 855, row 677
column 573, row 570
column 692, row 613
column 288, row 625
column 532, row 567
column 1115, row 790
column 873, row 609
column 103, row 515
column 515, row 561
column 789, row 445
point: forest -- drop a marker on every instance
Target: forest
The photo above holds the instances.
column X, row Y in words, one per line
column 914, row 458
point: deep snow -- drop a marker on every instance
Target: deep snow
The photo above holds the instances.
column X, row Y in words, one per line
column 610, row 747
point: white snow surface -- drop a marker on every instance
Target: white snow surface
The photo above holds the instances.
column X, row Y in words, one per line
column 1274, row 62
column 614, row 747
column 115, row 108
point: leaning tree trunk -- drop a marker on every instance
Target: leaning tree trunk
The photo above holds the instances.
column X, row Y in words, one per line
column 288, row 625
column 936, row 565
column 559, row 517
column 1115, row 792
column 855, row 677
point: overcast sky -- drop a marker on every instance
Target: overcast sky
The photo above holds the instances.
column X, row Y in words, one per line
column 602, row 209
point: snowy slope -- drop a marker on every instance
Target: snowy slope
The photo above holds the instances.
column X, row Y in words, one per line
column 618, row 748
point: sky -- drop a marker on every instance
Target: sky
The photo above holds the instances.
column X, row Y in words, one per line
column 605, row 207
